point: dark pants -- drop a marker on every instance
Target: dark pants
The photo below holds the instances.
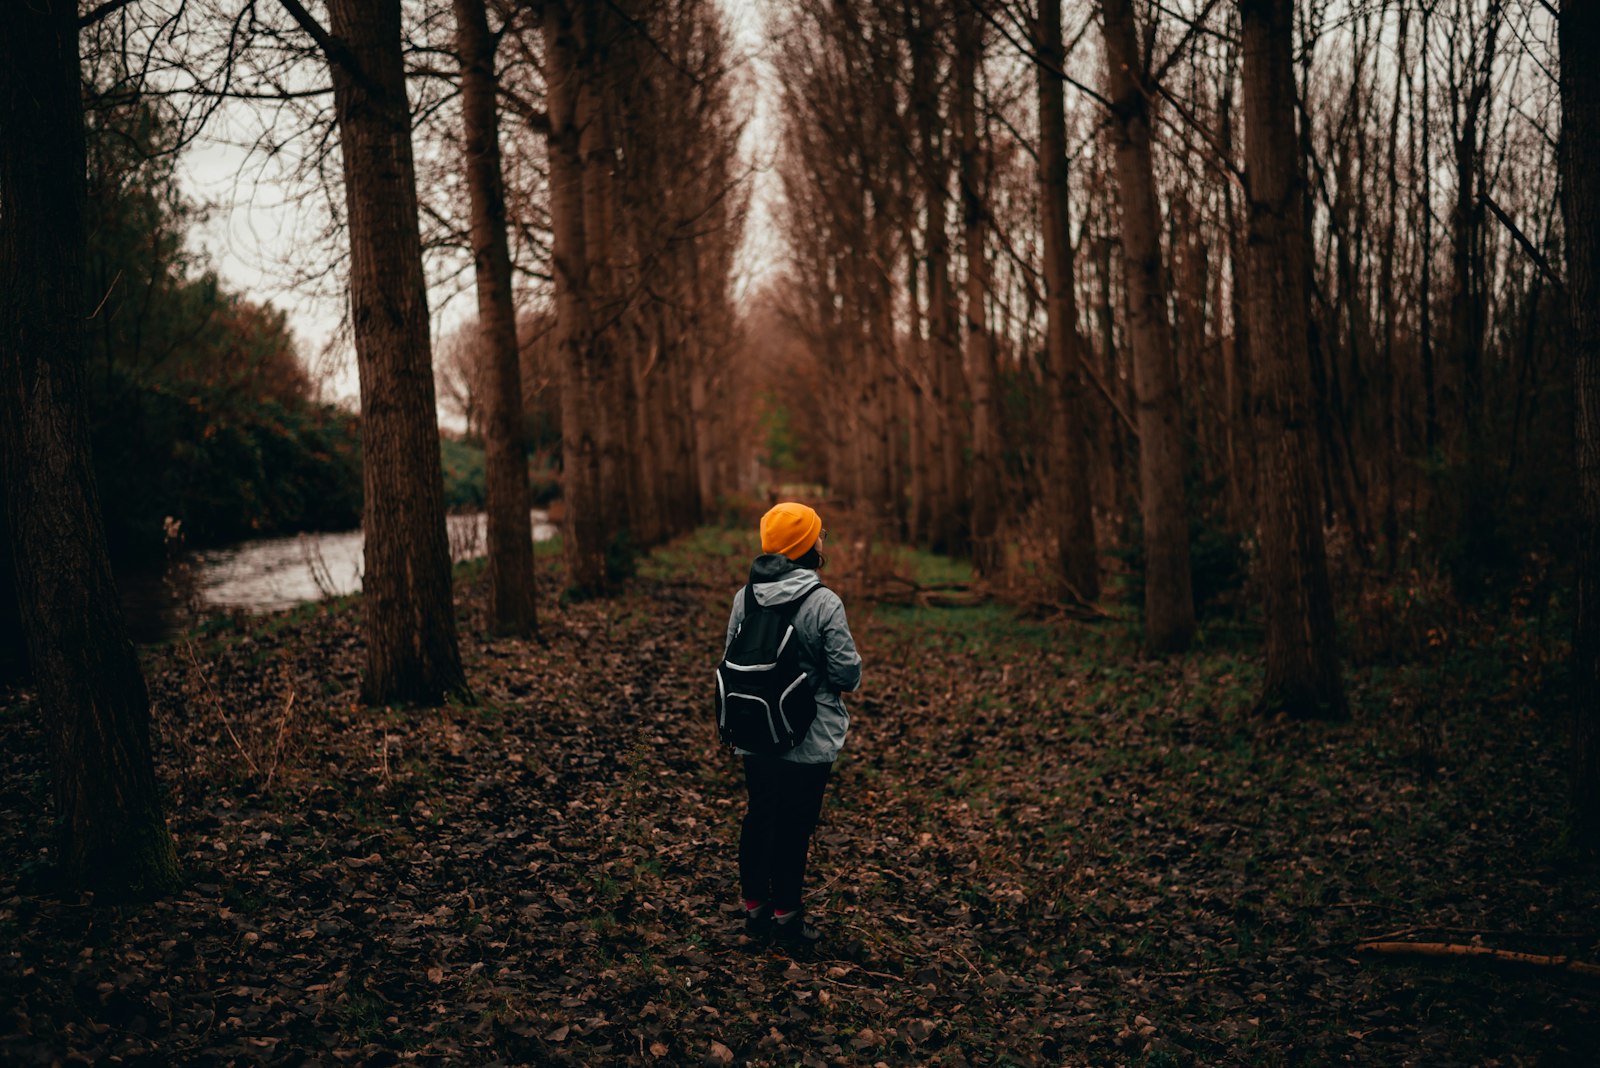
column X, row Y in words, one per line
column 785, row 801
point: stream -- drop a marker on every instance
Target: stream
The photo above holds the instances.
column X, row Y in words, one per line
column 272, row 574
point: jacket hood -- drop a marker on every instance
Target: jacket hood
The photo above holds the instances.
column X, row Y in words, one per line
column 776, row 579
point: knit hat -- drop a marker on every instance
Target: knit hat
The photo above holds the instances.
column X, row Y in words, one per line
column 790, row 528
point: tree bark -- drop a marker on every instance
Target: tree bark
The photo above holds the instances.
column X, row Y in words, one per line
column 1390, row 376
column 1425, row 217
column 980, row 364
column 1302, row 671
column 1077, row 558
column 410, row 610
column 14, row 667
column 610, row 404
column 946, row 438
column 1168, row 591
column 512, row 606
column 1237, row 373
column 1580, row 136
column 111, row 833
column 920, row 418
column 1468, row 298
column 583, row 535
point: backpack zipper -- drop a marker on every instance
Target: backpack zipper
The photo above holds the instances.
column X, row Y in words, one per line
column 787, row 726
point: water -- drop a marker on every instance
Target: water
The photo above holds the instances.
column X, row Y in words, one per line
column 273, row 574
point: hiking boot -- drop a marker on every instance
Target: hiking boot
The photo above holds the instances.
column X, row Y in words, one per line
column 758, row 921
column 794, row 930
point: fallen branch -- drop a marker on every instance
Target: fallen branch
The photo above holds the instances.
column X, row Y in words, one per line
column 919, row 587
column 899, row 590
column 1470, row 932
column 1078, row 610
column 1456, row 949
column 1194, row 973
column 965, row 599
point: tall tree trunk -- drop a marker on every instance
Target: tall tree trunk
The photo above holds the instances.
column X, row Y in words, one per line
column 410, row 611
column 1113, row 437
column 1237, row 356
column 583, row 535
column 919, row 421
column 611, row 405
column 979, row 350
column 949, row 519
column 1425, row 214
column 1580, row 136
column 111, row 833
column 1069, row 504
column 884, row 488
column 512, row 606
column 1390, row 374
column 1467, row 283
column 1302, row 674
column 1168, row 592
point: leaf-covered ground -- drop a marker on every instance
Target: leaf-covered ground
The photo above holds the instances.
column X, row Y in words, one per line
column 1038, row 849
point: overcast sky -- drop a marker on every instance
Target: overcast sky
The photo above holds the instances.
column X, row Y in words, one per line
column 255, row 231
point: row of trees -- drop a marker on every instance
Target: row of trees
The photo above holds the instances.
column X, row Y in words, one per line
column 1240, row 277
column 1287, row 269
column 634, row 105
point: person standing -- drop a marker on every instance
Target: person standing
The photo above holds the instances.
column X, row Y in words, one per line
column 785, row 790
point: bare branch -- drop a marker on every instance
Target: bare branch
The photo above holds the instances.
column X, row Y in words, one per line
column 336, row 51
column 1033, row 56
column 104, row 11
column 1522, row 239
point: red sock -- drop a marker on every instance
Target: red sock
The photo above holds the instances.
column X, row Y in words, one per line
column 783, row 914
column 751, row 904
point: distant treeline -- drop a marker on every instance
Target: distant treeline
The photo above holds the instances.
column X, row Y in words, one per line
column 200, row 408
column 226, row 466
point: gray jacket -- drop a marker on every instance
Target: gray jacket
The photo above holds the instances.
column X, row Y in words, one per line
column 827, row 651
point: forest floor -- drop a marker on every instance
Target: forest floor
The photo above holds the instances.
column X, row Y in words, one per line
column 1038, row 848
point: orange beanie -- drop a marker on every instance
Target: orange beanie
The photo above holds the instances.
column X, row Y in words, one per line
column 790, row 528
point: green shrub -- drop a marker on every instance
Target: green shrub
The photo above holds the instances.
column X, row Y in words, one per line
column 226, row 467
column 463, row 465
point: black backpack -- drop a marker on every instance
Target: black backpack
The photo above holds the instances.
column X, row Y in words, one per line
column 765, row 703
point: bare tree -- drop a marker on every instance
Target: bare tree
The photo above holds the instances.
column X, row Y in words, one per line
column 978, row 344
column 512, row 605
column 410, row 614
column 1302, row 671
column 585, row 531
column 1067, row 472
column 1580, row 125
column 112, row 834
column 458, row 378
column 944, row 433
column 1168, row 592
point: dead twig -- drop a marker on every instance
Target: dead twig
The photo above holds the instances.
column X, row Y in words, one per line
column 1077, row 609
column 1194, row 973
column 277, row 744
column 1470, row 932
column 216, row 703
column 1457, row 949
column 317, row 565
